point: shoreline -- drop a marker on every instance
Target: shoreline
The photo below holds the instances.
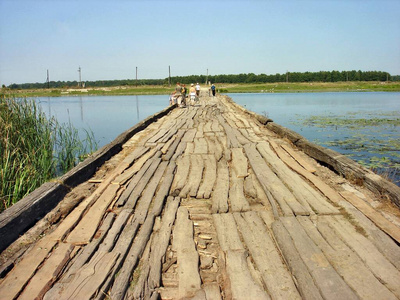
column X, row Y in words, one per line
column 266, row 88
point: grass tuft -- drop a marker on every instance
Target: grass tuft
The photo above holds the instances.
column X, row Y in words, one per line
column 33, row 148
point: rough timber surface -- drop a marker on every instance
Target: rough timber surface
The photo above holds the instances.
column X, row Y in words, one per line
column 209, row 201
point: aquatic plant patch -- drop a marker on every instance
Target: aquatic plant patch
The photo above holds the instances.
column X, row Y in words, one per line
column 371, row 138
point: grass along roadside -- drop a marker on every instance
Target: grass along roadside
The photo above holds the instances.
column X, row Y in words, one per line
column 311, row 87
column 34, row 149
column 280, row 87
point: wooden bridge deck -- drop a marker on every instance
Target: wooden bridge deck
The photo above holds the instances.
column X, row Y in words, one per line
column 207, row 203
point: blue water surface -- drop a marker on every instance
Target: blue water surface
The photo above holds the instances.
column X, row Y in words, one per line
column 292, row 110
column 105, row 116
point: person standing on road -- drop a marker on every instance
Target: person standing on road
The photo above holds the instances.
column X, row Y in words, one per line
column 197, row 89
column 213, row 90
column 183, row 91
column 178, row 94
column 192, row 92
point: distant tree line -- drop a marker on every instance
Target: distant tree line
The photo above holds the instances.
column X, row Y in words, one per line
column 97, row 83
column 321, row 76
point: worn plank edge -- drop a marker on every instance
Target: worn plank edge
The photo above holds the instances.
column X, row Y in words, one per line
column 20, row 217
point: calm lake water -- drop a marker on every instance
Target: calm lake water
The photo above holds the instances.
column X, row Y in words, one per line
column 364, row 126
column 105, row 116
column 340, row 121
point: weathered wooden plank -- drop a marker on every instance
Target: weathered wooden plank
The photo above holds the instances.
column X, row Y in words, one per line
column 240, row 137
column 142, row 208
column 375, row 260
column 302, row 162
column 220, row 193
column 249, row 188
column 158, row 135
column 37, row 254
column 228, row 236
column 329, row 192
column 24, row 214
column 304, row 280
column 343, row 165
column 121, row 282
column 199, row 131
column 347, row 263
column 272, row 185
column 302, row 191
column 215, row 147
column 239, row 162
column 134, row 196
column 215, row 126
column 168, row 144
column 86, row 228
column 230, row 134
column 182, row 172
column 188, row 258
column 83, row 257
column 242, row 284
column 17, row 278
column 143, row 154
column 207, row 126
column 176, row 148
column 189, row 135
column 276, row 278
column 329, row 282
column 132, row 183
column 160, row 243
column 48, row 273
column 88, row 279
column 210, row 174
column 237, row 199
column 115, row 230
column 200, row 146
column 385, row 244
column 173, row 130
column 122, row 247
column 196, row 172
column 373, row 215
column 163, row 189
column 139, row 288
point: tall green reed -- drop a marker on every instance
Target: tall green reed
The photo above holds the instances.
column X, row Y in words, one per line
column 34, row 148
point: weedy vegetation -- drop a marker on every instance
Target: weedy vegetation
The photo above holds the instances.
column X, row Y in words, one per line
column 371, row 139
column 34, row 148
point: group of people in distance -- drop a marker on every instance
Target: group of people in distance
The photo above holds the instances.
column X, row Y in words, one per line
column 179, row 95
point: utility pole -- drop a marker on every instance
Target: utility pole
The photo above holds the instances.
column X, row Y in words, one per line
column 207, row 78
column 80, row 78
column 169, row 76
column 136, row 76
column 48, row 79
column 287, row 76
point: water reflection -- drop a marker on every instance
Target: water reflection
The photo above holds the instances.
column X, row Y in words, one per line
column 106, row 116
column 81, row 102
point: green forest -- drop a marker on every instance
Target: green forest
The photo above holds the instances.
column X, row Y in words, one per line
column 321, row 76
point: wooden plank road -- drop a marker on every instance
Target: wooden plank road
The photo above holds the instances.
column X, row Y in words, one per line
column 208, row 203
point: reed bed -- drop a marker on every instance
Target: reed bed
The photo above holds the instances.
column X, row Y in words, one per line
column 34, row 148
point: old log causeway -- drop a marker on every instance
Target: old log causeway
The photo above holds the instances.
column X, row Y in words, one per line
column 209, row 201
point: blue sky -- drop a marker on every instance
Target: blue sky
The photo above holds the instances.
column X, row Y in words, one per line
column 109, row 39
